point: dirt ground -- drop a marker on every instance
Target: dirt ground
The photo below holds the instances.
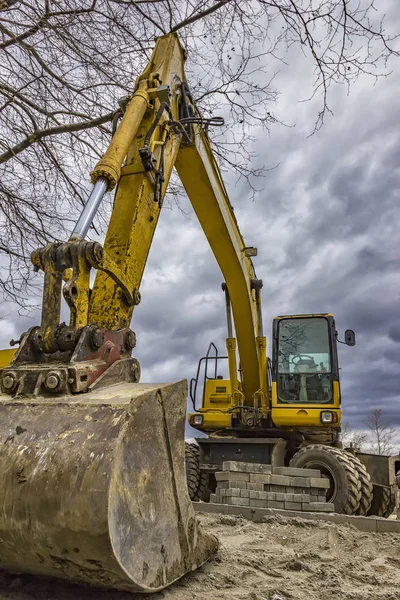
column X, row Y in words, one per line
column 281, row 559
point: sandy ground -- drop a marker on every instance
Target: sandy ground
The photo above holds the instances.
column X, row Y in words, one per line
column 281, row 559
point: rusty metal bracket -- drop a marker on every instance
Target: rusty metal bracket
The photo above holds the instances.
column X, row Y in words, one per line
column 63, row 360
column 57, row 359
column 71, row 262
column 101, row 261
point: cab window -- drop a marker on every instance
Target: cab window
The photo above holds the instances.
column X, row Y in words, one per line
column 304, row 361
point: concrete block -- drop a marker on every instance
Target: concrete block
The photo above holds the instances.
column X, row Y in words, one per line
column 279, row 480
column 283, row 497
column 318, row 506
column 296, row 472
column 262, row 495
column 368, row 524
column 242, row 485
column 387, row 525
column 258, row 487
column 273, row 488
column 274, row 504
column 245, row 493
column 259, row 478
column 303, row 482
column 293, row 506
column 266, row 495
column 226, row 476
column 223, row 485
column 319, row 499
column 301, row 498
column 234, row 501
column 232, row 492
column 215, row 498
column 314, row 492
column 321, row 483
column 245, row 467
column 257, row 503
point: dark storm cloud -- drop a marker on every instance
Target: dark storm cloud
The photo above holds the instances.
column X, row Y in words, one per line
column 338, row 241
column 394, row 334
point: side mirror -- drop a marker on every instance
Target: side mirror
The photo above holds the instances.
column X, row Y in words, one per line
column 349, row 337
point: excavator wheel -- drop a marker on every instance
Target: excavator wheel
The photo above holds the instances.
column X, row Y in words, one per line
column 345, row 490
column 203, row 490
column 93, row 488
column 366, row 485
column 192, row 470
column 384, row 502
column 390, row 503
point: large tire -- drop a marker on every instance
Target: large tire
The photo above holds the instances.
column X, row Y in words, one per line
column 391, row 504
column 203, row 491
column 384, row 502
column 366, row 486
column 192, row 470
column 345, row 490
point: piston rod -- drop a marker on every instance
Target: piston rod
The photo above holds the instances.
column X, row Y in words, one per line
column 90, row 209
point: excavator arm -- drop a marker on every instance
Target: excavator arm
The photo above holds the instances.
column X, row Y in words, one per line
column 162, row 129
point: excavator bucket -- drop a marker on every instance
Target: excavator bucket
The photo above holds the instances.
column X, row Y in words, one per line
column 93, row 488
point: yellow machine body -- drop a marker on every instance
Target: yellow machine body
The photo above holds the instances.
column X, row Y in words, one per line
column 6, row 357
column 303, row 415
column 218, row 403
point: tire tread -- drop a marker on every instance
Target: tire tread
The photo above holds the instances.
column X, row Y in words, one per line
column 354, row 495
column 192, row 470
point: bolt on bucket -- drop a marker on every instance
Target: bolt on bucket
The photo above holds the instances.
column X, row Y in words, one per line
column 93, row 488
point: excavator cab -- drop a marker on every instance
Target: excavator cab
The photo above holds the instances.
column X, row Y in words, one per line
column 303, row 379
column 305, row 375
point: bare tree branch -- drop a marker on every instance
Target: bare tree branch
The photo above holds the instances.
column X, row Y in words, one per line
column 200, row 15
column 39, row 134
column 63, row 62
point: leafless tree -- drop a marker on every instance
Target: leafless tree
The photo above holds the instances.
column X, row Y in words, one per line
column 381, row 433
column 353, row 437
column 65, row 63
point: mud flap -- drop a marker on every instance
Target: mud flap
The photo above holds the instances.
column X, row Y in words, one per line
column 93, row 488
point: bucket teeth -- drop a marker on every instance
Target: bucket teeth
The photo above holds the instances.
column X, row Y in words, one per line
column 93, row 488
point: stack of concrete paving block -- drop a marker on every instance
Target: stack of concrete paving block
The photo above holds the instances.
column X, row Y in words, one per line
column 263, row 486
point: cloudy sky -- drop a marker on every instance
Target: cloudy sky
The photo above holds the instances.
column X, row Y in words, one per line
column 326, row 223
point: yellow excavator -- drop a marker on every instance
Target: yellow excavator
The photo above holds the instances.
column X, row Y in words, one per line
column 93, row 485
